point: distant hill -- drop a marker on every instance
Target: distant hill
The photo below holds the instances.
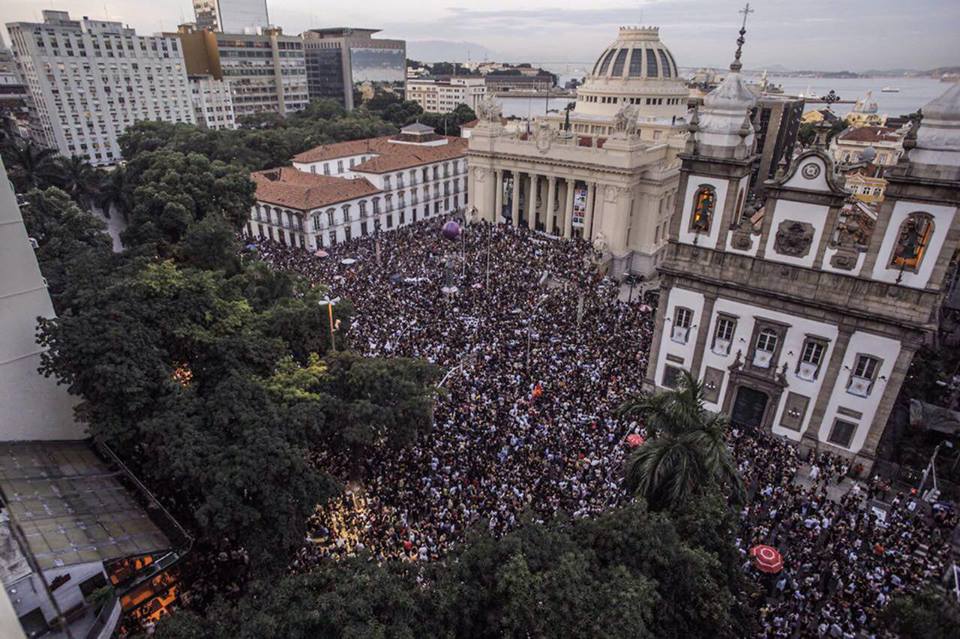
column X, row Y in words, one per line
column 447, row 51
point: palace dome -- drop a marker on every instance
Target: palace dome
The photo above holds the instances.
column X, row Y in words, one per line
column 636, row 53
column 636, row 69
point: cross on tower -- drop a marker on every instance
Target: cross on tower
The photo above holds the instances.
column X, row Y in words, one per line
column 746, row 11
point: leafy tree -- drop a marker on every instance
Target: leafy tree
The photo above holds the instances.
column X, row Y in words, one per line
column 686, row 452
column 173, row 190
column 73, row 246
column 210, row 243
column 922, row 615
column 628, row 573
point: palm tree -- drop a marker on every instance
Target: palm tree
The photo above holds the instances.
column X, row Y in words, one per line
column 111, row 194
column 78, row 178
column 686, row 451
column 31, row 166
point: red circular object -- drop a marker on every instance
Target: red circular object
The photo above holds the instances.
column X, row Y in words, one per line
column 767, row 558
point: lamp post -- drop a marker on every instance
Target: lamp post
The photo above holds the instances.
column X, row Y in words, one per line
column 330, row 303
column 533, row 310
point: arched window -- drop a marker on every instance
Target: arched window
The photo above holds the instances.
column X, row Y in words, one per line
column 346, row 213
column 913, row 239
column 704, row 202
column 330, row 218
column 363, row 209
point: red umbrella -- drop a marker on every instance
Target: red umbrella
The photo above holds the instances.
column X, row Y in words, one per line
column 767, row 559
column 321, row 253
column 634, row 440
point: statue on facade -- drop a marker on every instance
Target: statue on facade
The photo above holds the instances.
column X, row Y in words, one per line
column 625, row 121
column 489, row 110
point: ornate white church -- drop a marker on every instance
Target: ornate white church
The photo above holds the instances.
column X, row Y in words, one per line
column 802, row 317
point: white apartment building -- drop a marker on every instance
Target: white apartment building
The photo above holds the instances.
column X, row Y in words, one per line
column 444, row 95
column 90, row 79
column 338, row 192
column 212, row 102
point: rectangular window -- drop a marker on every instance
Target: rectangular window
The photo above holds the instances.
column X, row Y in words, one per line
column 765, row 348
column 842, row 433
column 682, row 319
column 671, row 376
column 723, row 335
column 811, row 357
column 863, row 375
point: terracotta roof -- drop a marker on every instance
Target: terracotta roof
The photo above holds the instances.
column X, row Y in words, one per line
column 403, row 156
column 342, row 149
column 390, row 155
column 869, row 134
column 306, row 191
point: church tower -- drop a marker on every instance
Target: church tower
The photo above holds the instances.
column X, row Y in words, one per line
column 801, row 317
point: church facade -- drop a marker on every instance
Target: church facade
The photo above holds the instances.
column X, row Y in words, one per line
column 802, row 317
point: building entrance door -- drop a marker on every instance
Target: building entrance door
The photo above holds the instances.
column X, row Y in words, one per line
column 749, row 407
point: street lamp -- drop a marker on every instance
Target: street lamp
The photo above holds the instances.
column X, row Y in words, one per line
column 330, row 303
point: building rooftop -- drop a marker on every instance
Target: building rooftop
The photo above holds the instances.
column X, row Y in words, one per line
column 71, row 507
column 392, row 152
column 303, row 191
column 869, row 134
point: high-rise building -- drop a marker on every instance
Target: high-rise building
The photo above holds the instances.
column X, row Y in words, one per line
column 89, row 80
column 443, row 95
column 212, row 102
column 344, row 61
column 777, row 122
column 265, row 72
column 231, row 16
column 802, row 317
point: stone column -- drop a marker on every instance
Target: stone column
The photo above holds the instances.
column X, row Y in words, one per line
column 868, row 451
column 548, row 214
column 568, row 211
column 588, row 216
column 532, row 202
column 498, row 196
column 703, row 329
column 515, row 199
column 811, row 436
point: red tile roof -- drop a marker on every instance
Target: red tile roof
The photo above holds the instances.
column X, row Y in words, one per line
column 306, row 191
column 390, row 156
column 869, row 134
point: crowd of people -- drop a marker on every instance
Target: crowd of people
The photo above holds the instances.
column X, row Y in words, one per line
column 539, row 356
column 847, row 550
column 539, row 351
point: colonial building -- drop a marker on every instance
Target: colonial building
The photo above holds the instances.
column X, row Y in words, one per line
column 848, row 145
column 337, row 192
column 612, row 179
column 802, row 318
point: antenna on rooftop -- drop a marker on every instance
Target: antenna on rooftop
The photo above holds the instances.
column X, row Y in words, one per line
column 106, row 12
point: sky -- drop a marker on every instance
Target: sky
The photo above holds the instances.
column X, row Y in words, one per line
column 797, row 34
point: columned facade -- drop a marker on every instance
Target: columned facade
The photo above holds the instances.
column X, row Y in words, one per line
column 610, row 196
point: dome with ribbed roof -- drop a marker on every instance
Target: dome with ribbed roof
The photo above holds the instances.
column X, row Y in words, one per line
column 636, row 53
column 637, row 69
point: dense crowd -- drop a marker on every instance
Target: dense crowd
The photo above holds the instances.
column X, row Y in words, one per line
column 847, row 550
column 525, row 421
column 540, row 350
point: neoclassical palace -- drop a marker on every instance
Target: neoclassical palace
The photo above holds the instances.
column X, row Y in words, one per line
column 612, row 177
column 802, row 317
